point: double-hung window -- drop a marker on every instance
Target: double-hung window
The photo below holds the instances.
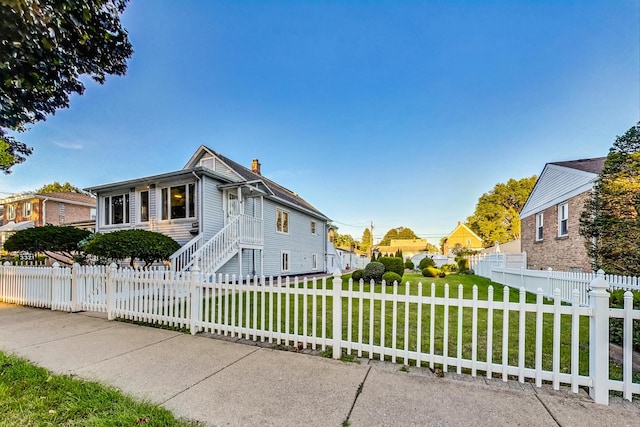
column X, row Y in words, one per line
column 282, row 221
column 313, row 227
column 539, row 226
column 563, row 219
column 27, row 208
column 178, row 201
column 143, row 208
column 11, row 211
column 116, row 209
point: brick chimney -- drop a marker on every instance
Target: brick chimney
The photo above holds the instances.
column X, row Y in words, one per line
column 255, row 166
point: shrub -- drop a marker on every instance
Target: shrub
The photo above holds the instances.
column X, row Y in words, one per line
column 449, row 268
column 373, row 271
column 426, row 262
column 390, row 277
column 442, row 274
column 147, row 246
column 356, row 275
column 463, row 265
column 393, row 264
column 430, row 272
column 410, row 265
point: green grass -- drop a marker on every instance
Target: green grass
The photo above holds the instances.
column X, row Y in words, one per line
column 32, row 396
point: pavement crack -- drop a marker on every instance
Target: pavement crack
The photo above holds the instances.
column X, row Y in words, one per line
column 535, row 392
column 209, row 376
column 358, row 393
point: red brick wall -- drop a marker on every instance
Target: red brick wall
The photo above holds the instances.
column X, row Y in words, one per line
column 560, row 253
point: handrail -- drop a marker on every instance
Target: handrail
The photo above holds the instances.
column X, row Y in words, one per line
column 181, row 260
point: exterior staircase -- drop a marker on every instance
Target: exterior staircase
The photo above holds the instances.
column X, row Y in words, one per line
column 241, row 231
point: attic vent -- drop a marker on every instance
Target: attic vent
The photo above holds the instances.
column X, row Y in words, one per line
column 255, row 166
column 207, row 162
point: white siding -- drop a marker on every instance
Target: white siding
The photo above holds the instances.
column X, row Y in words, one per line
column 213, row 220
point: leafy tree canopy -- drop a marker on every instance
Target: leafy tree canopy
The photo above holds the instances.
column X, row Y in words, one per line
column 396, row 234
column 497, row 214
column 610, row 221
column 344, row 241
column 143, row 245
column 46, row 47
column 59, row 242
column 367, row 240
column 56, row 187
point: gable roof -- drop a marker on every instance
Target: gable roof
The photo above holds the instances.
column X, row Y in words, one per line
column 467, row 229
column 560, row 181
column 247, row 175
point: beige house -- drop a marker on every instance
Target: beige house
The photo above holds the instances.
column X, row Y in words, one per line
column 461, row 236
column 409, row 247
column 550, row 219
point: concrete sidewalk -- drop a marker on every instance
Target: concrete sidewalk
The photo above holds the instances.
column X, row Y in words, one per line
column 225, row 383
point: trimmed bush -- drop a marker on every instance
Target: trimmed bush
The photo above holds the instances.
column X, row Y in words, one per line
column 390, row 277
column 449, row 268
column 373, row 271
column 463, row 265
column 393, row 264
column 356, row 275
column 410, row 265
column 426, row 262
column 430, row 272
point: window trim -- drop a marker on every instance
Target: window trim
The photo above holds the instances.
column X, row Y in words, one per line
column 314, row 262
column 107, row 220
column 26, row 214
column 563, row 217
column 11, row 212
column 285, row 261
column 539, row 227
column 165, row 202
column 282, row 228
column 314, row 228
column 139, row 219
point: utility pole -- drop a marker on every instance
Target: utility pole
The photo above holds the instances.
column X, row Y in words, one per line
column 371, row 245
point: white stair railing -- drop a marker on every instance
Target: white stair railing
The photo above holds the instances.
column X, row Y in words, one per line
column 182, row 259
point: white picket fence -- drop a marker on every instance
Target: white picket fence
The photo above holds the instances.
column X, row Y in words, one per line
column 426, row 325
column 509, row 270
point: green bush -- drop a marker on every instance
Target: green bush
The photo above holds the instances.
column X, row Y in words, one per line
column 449, row 268
column 430, row 272
column 463, row 265
column 390, row 277
column 616, row 329
column 393, row 264
column 147, row 246
column 426, row 262
column 373, row 271
column 356, row 275
column 410, row 265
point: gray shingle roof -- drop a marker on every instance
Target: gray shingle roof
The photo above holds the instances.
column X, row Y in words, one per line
column 594, row 165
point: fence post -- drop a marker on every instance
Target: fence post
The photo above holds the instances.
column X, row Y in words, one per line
column 56, row 292
column 337, row 313
column 549, row 289
column 74, row 287
column 599, row 340
column 111, row 291
column 196, row 298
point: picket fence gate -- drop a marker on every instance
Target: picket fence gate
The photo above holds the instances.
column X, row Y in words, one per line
column 426, row 325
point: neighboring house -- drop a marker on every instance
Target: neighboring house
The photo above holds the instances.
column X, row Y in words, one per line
column 352, row 259
column 409, row 247
column 550, row 219
column 463, row 237
column 228, row 218
column 35, row 210
column 513, row 247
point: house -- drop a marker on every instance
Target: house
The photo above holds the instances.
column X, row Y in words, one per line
column 512, row 247
column 35, row 210
column 409, row 247
column 229, row 219
column 461, row 237
column 550, row 219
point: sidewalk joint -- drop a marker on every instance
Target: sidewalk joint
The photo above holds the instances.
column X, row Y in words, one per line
column 358, row 393
column 535, row 392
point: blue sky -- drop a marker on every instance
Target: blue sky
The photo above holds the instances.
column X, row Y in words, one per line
column 398, row 112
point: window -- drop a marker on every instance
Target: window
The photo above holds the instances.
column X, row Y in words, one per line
column 116, row 209
column 314, row 261
column 11, row 211
column 93, row 213
column 284, row 261
column 144, row 206
column 563, row 219
column 539, row 226
column 313, row 227
column 27, row 208
column 282, row 221
column 178, row 202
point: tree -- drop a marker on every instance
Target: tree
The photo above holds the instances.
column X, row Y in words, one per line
column 497, row 214
column 396, row 234
column 56, row 187
column 344, row 241
column 58, row 242
column 147, row 246
column 610, row 221
column 46, row 47
column 367, row 240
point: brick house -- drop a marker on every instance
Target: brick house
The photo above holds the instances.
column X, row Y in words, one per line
column 35, row 210
column 550, row 219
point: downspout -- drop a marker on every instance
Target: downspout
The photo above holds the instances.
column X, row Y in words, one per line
column 44, row 211
column 199, row 202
